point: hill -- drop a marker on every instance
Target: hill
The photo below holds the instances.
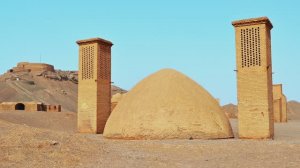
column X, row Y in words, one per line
column 230, row 110
column 293, row 110
column 50, row 87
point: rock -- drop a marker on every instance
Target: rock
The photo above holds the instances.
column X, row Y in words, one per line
column 53, row 143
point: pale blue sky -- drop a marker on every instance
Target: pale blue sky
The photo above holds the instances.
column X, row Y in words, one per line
column 195, row 37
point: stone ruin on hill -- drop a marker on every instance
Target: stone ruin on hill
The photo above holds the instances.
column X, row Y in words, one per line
column 38, row 69
column 32, row 67
column 61, row 75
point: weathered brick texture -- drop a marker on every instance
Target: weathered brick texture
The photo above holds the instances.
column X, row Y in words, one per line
column 279, row 104
column 94, row 84
column 254, row 78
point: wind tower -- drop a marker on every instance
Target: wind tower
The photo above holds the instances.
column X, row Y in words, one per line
column 94, row 84
column 254, row 78
column 279, row 104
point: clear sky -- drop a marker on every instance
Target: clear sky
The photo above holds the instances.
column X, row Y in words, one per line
column 193, row 36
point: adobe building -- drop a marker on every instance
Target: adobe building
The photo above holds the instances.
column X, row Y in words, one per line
column 32, row 67
column 279, row 104
column 115, row 99
column 284, row 109
column 26, row 106
column 29, row 107
column 52, row 108
column 94, row 84
column 254, row 78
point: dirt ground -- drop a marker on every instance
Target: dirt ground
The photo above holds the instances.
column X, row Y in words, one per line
column 50, row 140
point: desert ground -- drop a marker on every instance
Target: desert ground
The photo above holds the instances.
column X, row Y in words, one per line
column 39, row 139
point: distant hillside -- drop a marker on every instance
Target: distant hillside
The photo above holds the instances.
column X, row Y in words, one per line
column 293, row 110
column 230, row 110
column 58, row 87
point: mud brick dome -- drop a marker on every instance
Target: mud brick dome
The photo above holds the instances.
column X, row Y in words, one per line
column 167, row 105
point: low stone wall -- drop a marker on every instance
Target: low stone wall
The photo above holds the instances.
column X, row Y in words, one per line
column 7, row 107
column 25, row 106
column 52, row 108
column 29, row 107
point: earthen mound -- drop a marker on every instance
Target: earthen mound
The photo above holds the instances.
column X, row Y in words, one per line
column 167, row 105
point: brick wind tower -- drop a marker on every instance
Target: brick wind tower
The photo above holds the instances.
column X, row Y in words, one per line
column 94, row 84
column 279, row 104
column 254, row 78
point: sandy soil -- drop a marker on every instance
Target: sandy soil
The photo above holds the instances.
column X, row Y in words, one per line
column 49, row 140
column 64, row 121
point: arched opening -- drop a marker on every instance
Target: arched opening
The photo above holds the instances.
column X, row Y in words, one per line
column 20, row 106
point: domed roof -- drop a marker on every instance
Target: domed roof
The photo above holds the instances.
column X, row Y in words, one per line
column 166, row 105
